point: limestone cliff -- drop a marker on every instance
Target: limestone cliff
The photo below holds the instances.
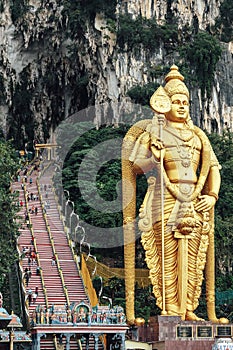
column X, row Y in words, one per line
column 56, row 59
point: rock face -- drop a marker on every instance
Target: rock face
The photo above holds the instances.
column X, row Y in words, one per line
column 47, row 74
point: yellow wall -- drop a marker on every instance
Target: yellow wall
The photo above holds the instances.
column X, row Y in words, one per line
column 130, row 344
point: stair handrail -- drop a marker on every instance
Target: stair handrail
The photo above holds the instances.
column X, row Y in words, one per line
column 53, row 246
column 41, row 275
column 55, row 341
column 22, row 282
column 57, row 260
column 37, row 253
column 80, row 344
column 23, row 286
column 83, row 272
column 22, row 272
column 75, row 257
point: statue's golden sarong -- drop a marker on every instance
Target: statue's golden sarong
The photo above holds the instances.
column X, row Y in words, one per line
column 195, row 259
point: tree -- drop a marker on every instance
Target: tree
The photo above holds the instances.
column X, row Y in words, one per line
column 9, row 207
column 203, row 53
column 141, row 94
column 223, row 23
column 94, row 184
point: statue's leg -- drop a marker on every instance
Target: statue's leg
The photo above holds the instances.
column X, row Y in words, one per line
column 170, row 264
column 197, row 249
column 170, row 270
column 152, row 242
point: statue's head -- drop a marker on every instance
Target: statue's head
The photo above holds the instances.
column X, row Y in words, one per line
column 179, row 95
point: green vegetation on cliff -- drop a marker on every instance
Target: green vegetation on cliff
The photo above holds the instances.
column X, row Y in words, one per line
column 18, row 9
column 224, row 21
column 80, row 12
column 9, row 207
column 142, row 33
column 201, row 54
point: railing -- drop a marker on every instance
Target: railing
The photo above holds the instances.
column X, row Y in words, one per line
column 24, row 291
column 55, row 342
column 37, row 258
column 83, row 271
column 52, row 242
column 41, row 274
column 79, row 344
column 37, row 253
column 57, row 260
column 87, row 284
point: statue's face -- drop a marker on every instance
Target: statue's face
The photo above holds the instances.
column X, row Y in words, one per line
column 179, row 109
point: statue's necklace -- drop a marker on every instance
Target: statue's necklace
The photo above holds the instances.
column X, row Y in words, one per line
column 185, row 134
column 186, row 154
column 186, row 149
column 182, row 134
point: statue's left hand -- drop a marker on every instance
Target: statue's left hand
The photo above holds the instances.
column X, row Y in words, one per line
column 205, row 203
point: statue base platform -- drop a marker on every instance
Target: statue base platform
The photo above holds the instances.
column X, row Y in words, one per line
column 170, row 333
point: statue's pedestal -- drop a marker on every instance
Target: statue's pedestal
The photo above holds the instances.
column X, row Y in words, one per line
column 170, row 333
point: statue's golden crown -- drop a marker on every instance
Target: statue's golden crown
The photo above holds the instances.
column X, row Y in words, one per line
column 174, row 83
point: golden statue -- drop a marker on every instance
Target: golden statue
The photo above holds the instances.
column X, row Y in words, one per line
column 177, row 216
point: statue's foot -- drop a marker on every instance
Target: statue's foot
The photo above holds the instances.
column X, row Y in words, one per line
column 172, row 313
column 190, row 316
column 172, row 310
column 221, row 320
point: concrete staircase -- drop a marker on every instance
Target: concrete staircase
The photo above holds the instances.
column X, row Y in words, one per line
column 44, row 235
column 63, row 252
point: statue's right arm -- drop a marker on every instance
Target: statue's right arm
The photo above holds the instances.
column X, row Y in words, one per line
column 141, row 156
column 143, row 165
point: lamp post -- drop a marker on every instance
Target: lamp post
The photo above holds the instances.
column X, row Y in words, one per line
column 82, row 239
column 63, row 200
column 14, row 323
column 74, row 224
column 68, row 222
column 11, row 338
column 71, row 214
column 68, row 194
